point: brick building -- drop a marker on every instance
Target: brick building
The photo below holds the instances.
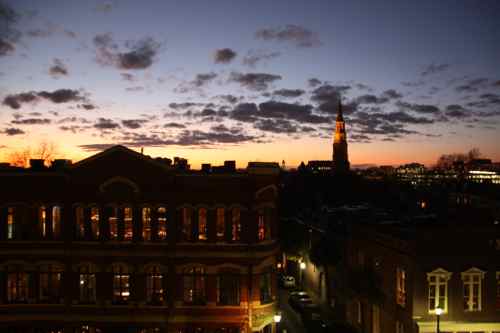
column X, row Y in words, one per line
column 120, row 242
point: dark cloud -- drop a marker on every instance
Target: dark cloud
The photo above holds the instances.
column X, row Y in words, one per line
column 183, row 106
column 58, row 68
column 329, row 93
column 62, row 96
column 254, row 81
column 104, row 124
column 139, row 54
column 32, row 121
column 6, row 47
column 485, row 101
column 456, row 111
column 87, row 106
column 371, row 99
column 289, row 92
column 16, row 100
column 13, row 131
column 231, row 99
column 391, row 94
column 472, row 85
column 8, row 35
column 133, row 123
column 362, row 86
column 295, row 34
column 280, row 126
column 73, row 120
column 202, row 79
column 128, row 77
column 434, row 68
column 313, row 82
column 224, row 56
column 255, row 56
column 174, row 125
column 419, row 108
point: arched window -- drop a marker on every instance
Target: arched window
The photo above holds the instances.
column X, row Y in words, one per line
column 235, row 224
column 155, row 294
column 94, row 222
column 121, row 284
column 17, row 284
column 128, row 221
column 187, row 233
column 162, row 223
column 87, row 284
column 146, row 223
column 264, row 224
column 11, row 223
column 194, row 286
column 113, row 223
column 220, row 224
column 56, row 222
column 80, row 222
column 50, row 279
column 202, row 224
column 42, row 221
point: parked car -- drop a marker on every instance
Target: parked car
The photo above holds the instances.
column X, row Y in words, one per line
column 288, row 281
column 297, row 298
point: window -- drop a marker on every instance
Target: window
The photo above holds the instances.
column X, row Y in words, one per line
column 202, row 224
column 87, row 284
column 113, row 223
column 50, row 284
column 186, row 224
column 220, row 223
column 128, row 223
column 42, row 221
column 56, row 222
column 265, row 288
column 162, row 223
column 228, row 289
column 146, row 223
column 264, row 227
column 235, row 224
column 438, row 290
column 10, row 223
column 194, row 286
column 375, row 319
column 400, row 286
column 154, row 285
column 80, row 222
column 121, row 284
column 94, row 222
column 498, row 291
column 472, row 280
column 400, row 328
column 17, row 285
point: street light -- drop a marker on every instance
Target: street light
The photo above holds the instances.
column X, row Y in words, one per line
column 302, row 266
column 277, row 319
column 438, row 312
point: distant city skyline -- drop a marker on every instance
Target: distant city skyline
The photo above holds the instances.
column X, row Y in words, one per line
column 259, row 81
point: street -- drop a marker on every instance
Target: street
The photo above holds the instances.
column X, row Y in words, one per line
column 290, row 320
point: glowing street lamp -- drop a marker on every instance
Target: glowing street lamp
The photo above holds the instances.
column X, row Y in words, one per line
column 438, row 312
column 302, row 265
column 277, row 317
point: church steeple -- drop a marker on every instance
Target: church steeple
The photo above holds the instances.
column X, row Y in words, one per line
column 340, row 159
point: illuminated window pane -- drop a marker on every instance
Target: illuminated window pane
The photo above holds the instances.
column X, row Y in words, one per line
column 220, row 223
column 128, row 223
column 235, row 224
column 42, row 221
column 121, row 284
column 87, row 284
column 56, row 221
column 162, row 223
column 438, row 291
column 146, row 223
column 186, row 224
column 80, row 223
column 10, row 223
column 17, row 285
column 50, row 284
column 261, row 226
column 154, row 286
column 472, row 291
column 202, row 224
column 113, row 223
column 401, row 287
column 94, row 222
column 194, row 286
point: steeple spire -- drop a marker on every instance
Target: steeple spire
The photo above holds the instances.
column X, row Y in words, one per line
column 340, row 117
column 340, row 159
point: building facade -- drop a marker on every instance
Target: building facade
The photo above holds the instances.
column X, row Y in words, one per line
column 120, row 242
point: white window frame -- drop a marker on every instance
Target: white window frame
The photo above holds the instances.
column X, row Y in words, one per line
column 437, row 274
column 470, row 274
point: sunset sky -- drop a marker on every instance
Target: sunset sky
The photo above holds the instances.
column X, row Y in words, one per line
column 251, row 80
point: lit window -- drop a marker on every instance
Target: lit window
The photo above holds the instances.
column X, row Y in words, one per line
column 264, row 225
column 235, row 224
column 113, row 223
column 401, row 286
column 154, row 286
column 10, row 223
column 472, row 280
column 265, row 288
column 94, row 222
column 87, row 284
column 194, row 286
column 228, row 289
column 42, row 221
column 438, row 290
column 50, row 284
column 162, row 223
column 128, row 223
column 202, row 224
column 121, row 284
column 56, row 221
column 186, row 224
column 17, row 285
column 80, row 223
column 146, row 223
column 220, row 223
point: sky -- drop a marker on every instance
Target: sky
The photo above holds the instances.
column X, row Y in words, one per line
column 251, row 80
